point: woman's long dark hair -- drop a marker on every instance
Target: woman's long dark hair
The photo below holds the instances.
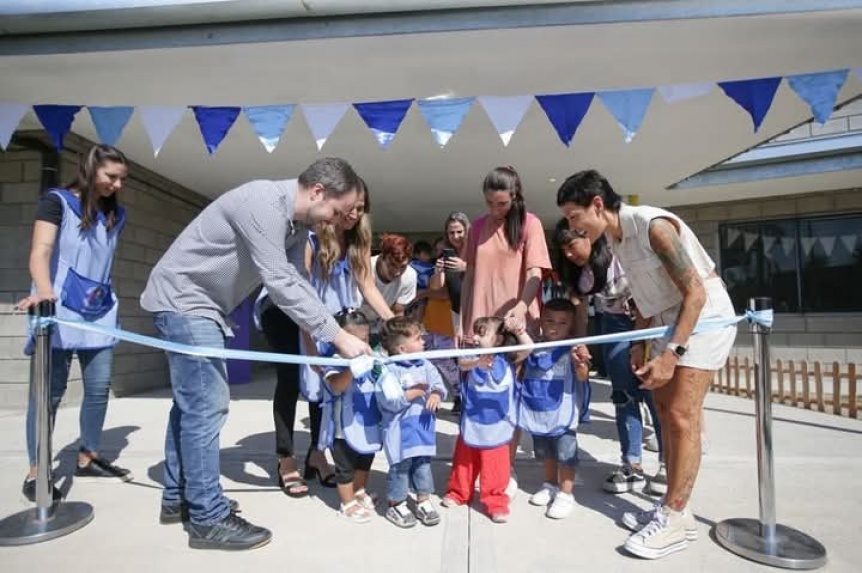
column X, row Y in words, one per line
column 570, row 273
column 85, row 184
column 507, row 179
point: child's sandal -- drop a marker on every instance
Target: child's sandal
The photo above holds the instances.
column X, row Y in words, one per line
column 355, row 512
column 366, row 499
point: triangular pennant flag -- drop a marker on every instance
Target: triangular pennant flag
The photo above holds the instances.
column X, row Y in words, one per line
column 788, row 244
column 268, row 122
column 322, row 119
column 828, row 244
column 10, row 117
column 159, row 121
column 57, row 120
column 808, row 244
column 565, row 112
column 383, row 118
column 849, row 242
column 628, row 107
column 732, row 236
column 819, row 91
column 214, row 123
column 768, row 243
column 754, row 96
column 110, row 122
column 505, row 113
column 681, row 92
column 444, row 116
column 748, row 240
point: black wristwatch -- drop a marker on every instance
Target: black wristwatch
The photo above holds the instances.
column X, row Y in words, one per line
column 677, row 349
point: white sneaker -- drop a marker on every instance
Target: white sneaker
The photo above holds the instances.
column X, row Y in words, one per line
column 667, row 533
column 637, row 520
column 545, row 495
column 512, row 488
column 562, row 506
column 657, row 484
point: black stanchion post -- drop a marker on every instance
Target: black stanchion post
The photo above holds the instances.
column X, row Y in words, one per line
column 764, row 540
column 49, row 519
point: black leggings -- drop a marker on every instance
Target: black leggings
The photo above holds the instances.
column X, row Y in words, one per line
column 283, row 334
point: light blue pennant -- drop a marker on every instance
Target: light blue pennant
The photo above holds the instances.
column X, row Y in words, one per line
column 57, row 120
column 628, row 107
column 565, row 112
column 383, row 118
column 322, row 119
column 214, row 123
column 505, row 113
column 268, row 122
column 819, row 91
column 444, row 116
column 10, row 116
column 110, row 122
column 754, row 96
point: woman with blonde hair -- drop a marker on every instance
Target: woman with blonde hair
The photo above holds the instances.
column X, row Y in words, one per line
column 338, row 260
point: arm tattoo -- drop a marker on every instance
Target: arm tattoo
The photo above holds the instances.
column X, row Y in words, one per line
column 666, row 243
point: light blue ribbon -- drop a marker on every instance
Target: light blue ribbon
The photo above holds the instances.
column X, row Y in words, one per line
column 763, row 318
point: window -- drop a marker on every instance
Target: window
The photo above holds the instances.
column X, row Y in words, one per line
column 805, row 265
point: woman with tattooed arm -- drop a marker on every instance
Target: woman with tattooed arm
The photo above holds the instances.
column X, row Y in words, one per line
column 673, row 283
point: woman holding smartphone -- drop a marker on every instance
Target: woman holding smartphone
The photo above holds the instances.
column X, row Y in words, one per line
column 442, row 315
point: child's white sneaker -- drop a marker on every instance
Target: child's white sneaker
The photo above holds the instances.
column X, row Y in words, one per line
column 545, row 495
column 563, row 505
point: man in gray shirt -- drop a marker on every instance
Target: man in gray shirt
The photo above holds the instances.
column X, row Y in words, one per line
column 252, row 235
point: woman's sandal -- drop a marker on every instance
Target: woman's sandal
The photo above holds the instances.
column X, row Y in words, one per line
column 291, row 484
column 354, row 511
column 312, row 472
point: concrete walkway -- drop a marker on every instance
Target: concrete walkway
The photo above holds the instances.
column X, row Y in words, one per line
column 817, row 467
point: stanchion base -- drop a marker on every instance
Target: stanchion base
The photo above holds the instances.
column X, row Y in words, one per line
column 791, row 549
column 25, row 527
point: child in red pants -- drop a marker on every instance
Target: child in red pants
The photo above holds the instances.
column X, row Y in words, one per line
column 482, row 449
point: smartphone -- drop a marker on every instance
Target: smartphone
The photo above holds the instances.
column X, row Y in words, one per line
column 447, row 253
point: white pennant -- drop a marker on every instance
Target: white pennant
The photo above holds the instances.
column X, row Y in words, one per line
column 159, row 121
column 505, row 113
column 788, row 244
column 732, row 236
column 828, row 244
column 322, row 119
column 749, row 240
column 849, row 242
column 10, row 117
column 681, row 92
column 808, row 244
column 768, row 243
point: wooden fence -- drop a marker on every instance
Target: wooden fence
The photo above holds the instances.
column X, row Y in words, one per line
column 808, row 385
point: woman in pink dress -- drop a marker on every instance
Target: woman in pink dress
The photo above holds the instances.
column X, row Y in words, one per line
column 506, row 253
column 506, row 256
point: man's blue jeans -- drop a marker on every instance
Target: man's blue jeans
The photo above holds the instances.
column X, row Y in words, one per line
column 625, row 393
column 201, row 398
column 96, row 379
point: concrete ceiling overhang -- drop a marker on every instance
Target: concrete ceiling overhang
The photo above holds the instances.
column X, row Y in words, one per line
column 414, row 183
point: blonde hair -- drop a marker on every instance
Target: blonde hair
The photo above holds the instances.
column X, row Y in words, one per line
column 357, row 239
